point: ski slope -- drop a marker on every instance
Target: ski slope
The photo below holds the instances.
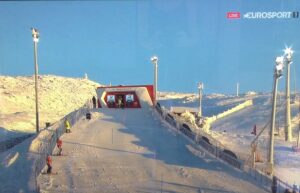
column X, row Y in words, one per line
column 132, row 151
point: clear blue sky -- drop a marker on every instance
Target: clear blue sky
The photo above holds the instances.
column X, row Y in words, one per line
column 112, row 41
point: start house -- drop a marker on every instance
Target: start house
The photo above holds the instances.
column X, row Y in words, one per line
column 134, row 96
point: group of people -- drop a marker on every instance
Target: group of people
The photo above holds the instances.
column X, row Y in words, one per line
column 59, row 147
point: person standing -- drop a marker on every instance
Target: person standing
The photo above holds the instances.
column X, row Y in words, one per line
column 119, row 104
column 49, row 164
column 67, row 126
column 59, row 146
column 94, row 102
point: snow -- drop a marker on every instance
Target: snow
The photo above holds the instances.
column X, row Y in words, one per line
column 58, row 96
column 234, row 131
column 21, row 164
column 188, row 117
column 212, row 104
column 132, row 151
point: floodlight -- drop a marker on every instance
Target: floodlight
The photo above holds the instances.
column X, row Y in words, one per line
column 279, row 60
column 279, row 66
column 35, row 34
column 200, row 85
column 154, row 59
column 288, row 52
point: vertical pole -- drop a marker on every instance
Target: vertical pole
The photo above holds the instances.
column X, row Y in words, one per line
column 161, row 183
column 288, row 129
column 200, row 87
column 298, row 139
column 295, row 86
column 200, row 100
column 36, row 86
column 155, row 81
column 237, row 89
column 271, row 146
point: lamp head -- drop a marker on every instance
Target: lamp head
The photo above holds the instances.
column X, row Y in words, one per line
column 154, row 59
column 279, row 66
column 35, row 34
column 288, row 52
column 200, row 85
column 279, row 60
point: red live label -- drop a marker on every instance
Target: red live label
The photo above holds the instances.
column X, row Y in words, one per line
column 233, row 15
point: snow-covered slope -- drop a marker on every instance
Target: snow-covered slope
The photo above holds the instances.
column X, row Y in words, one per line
column 212, row 104
column 131, row 151
column 57, row 97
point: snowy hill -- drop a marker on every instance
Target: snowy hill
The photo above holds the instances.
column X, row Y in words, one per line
column 212, row 104
column 57, row 97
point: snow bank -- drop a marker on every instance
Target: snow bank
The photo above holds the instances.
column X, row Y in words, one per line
column 174, row 95
column 230, row 111
column 188, row 117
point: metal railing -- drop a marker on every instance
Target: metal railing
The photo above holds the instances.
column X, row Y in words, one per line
column 49, row 141
column 214, row 147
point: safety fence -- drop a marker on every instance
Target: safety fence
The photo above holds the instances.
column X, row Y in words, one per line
column 215, row 148
column 204, row 140
column 47, row 139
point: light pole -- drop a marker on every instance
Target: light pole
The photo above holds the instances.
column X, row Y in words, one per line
column 200, row 87
column 288, row 60
column 35, row 36
column 237, row 89
column 154, row 60
column 277, row 74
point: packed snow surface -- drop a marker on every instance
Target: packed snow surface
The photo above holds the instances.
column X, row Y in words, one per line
column 131, row 151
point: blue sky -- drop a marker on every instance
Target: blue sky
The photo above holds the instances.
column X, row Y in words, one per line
column 112, row 41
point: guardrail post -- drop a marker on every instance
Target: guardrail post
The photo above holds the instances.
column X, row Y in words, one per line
column 217, row 150
column 274, row 185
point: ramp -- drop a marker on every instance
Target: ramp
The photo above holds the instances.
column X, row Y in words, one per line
column 131, row 151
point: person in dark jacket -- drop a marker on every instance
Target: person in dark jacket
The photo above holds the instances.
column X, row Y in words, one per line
column 94, row 102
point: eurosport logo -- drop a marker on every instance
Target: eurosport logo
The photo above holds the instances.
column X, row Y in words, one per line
column 265, row 15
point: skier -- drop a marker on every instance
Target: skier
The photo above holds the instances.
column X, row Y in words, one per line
column 67, row 126
column 59, row 146
column 49, row 164
column 94, row 102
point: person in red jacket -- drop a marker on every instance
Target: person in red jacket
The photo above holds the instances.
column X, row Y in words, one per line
column 59, row 146
column 49, row 164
